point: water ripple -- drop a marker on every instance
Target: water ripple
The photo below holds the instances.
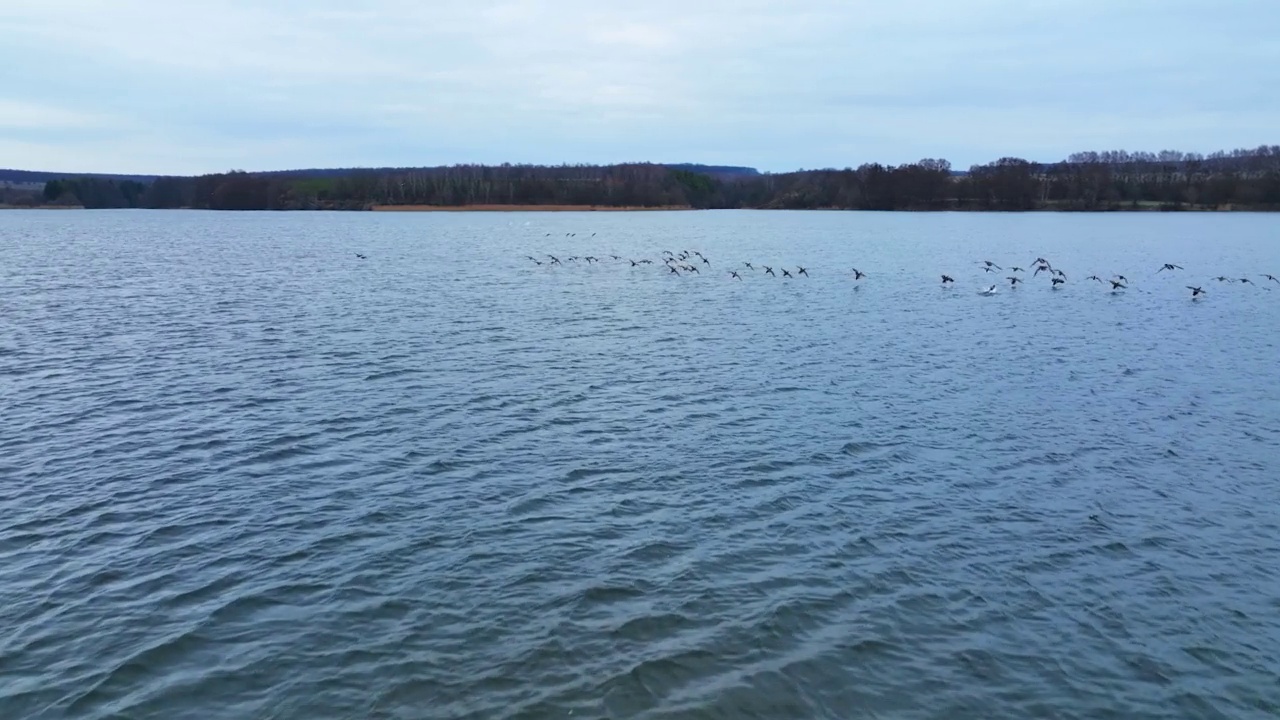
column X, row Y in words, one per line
column 244, row 476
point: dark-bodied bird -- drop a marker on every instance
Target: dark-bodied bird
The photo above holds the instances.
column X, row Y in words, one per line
column 1169, row 266
column 1272, row 278
column 1122, row 278
column 1058, row 281
column 1094, row 277
column 802, row 271
column 705, row 261
column 947, row 279
column 1015, row 268
column 555, row 260
column 1039, row 261
column 1223, row 278
column 749, row 266
column 1117, row 285
column 1013, row 280
column 1060, row 274
column 785, row 274
column 634, row 263
column 988, row 269
column 1196, row 292
column 1246, row 280
column 990, row 264
column 734, row 275
column 362, row 257
column 615, row 257
column 768, row 270
column 1040, row 269
column 858, row 274
column 673, row 270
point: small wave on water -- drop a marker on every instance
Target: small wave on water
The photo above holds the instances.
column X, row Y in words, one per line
column 242, row 476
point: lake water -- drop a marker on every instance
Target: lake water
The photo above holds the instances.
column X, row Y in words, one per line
column 246, row 474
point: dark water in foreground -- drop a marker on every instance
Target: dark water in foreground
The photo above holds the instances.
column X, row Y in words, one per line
column 244, row 474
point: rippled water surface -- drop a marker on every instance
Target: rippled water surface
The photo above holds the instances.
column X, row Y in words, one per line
column 246, row 474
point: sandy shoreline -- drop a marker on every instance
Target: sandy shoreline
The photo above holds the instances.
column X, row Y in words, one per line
column 519, row 208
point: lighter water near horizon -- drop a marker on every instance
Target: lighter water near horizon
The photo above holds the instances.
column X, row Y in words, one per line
column 246, row 474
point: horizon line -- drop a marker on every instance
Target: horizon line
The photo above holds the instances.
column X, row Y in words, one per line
column 1247, row 151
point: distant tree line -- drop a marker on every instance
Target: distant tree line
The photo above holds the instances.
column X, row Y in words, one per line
column 1115, row 180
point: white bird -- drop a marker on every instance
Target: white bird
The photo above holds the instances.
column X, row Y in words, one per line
column 989, row 291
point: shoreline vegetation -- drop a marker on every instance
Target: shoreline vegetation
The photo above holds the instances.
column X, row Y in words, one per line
column 1140, row 207
column 1238, row 180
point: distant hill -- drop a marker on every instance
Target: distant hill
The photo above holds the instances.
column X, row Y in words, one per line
column 25, row 177
column 721, row 171
column 715, row 170
column 30, row 177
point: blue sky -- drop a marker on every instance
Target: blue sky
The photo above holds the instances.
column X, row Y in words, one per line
column 203, row 85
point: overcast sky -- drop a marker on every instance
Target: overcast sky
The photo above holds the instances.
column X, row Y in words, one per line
column 209, row 85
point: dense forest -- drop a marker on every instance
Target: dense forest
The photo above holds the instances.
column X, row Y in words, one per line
column 1116, row 180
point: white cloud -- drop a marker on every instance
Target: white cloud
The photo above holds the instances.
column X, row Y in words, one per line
column 22, row 115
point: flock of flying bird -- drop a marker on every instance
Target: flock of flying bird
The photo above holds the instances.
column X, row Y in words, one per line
column 691, row 262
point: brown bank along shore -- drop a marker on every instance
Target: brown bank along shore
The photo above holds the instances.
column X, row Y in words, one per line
column 520, row 208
